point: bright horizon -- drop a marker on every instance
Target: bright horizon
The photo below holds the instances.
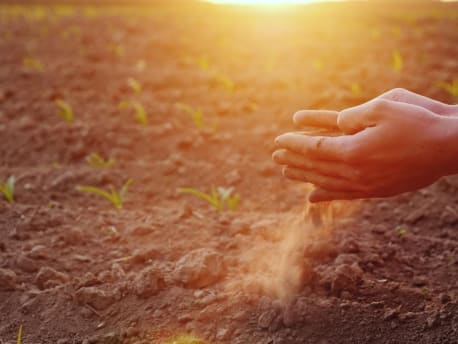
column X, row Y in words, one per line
column 267, row 2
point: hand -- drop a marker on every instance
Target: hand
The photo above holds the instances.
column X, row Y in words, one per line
column 388, row 147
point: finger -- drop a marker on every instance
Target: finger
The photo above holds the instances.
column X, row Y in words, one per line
column 320, row 147
column 316, row 118
column 307, row 176
column 290, row 158
column 405, row 96
column 323, row 195
column 358, row 118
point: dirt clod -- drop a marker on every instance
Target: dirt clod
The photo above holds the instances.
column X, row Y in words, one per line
column 7, row 279
column 199, row 268
column 96, row 297
column 47, row 274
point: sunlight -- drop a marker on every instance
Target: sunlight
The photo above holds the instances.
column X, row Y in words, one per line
column 263, row 2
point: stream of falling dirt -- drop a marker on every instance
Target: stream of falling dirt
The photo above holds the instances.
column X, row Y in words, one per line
column 277, row 267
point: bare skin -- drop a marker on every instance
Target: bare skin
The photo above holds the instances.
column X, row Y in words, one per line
column 397, row 142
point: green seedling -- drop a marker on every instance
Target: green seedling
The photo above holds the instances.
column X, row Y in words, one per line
column 450, row 87
column 356, row 89
column 401, row 231
column 218, row 197
column 397, row 61
column 95, row 160
column 196, row 114
column 184, row 339
column 33, row 64
column 203, row 63
column 134, row 85
column 7, row 189
column 19, row 335
column 226, row 82
column 140, row 114
column 115, row 197
column 64, row 110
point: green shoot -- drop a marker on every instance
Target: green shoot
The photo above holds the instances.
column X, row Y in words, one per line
column 450, row 87
column 95, row 160
column 116, row 198
column 140, row 114
column 203, row 63
column 226, row 82
column 356, row 89
column 19, row 335
column 196, row 114
column 7, row 189
column 217, row 198
column 33, row 64
column 401, row 230
column 64, row 110
column 184, row 339
column 396, row 61
column 134, row 85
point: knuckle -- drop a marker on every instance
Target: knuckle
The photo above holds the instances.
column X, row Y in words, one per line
column 396, row 94
column 379, row 105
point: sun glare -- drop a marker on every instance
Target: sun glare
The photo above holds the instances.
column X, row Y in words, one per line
column 262, row 2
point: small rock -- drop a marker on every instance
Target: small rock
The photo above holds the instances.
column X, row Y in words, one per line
column 38, row 252
column 95, row 297
column 147, row 283
column 349, row 246
column 377, row 304
column 46, row 274
column 346, row 277
column 222, row 334
column 64, row 341
column 390, row 314
column 141, row 230
column 444, row 298
column 7, row 279
column 419, row 281
column 267, row 317
column 432, row 321
column 143, row 255
column 132, row 331
column 26, row 264
column 200, row 268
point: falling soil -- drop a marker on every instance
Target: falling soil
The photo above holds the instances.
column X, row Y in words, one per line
column 73, row 269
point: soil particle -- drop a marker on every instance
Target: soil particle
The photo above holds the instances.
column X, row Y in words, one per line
column 200, row 268
column 95, row 297
column 7, row 279
column 444, row 298
column 419, row 281
column 47, row 274
column 143, row 255
column 390, row 314
column 38, row 252
column 26, row 264
column 147, row 283
column 343, row 277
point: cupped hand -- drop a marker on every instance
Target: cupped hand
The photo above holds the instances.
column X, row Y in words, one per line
column 387, row 146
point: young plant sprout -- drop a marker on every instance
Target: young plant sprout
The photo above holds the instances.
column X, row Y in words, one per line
column 184, row 339
column 356, row 89
column 19, row 335
column 196, row 114
column 7, row 189
column 400, row 230
column 64, row 110
column 397, row 62
column 226, row 82
column 450, row 87
column 134, row 85
column 33, row 64
column 218, row 197
column 140, row 114
column 95, row 160
column 115, row 197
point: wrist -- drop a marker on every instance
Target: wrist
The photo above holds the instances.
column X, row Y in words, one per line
column 448, row 145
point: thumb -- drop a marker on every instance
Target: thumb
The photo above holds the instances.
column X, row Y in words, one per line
column 356, row 119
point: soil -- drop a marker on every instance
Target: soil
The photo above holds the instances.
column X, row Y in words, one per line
column 73, row 269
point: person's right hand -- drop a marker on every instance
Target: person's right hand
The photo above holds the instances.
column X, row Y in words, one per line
column 388, row 147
